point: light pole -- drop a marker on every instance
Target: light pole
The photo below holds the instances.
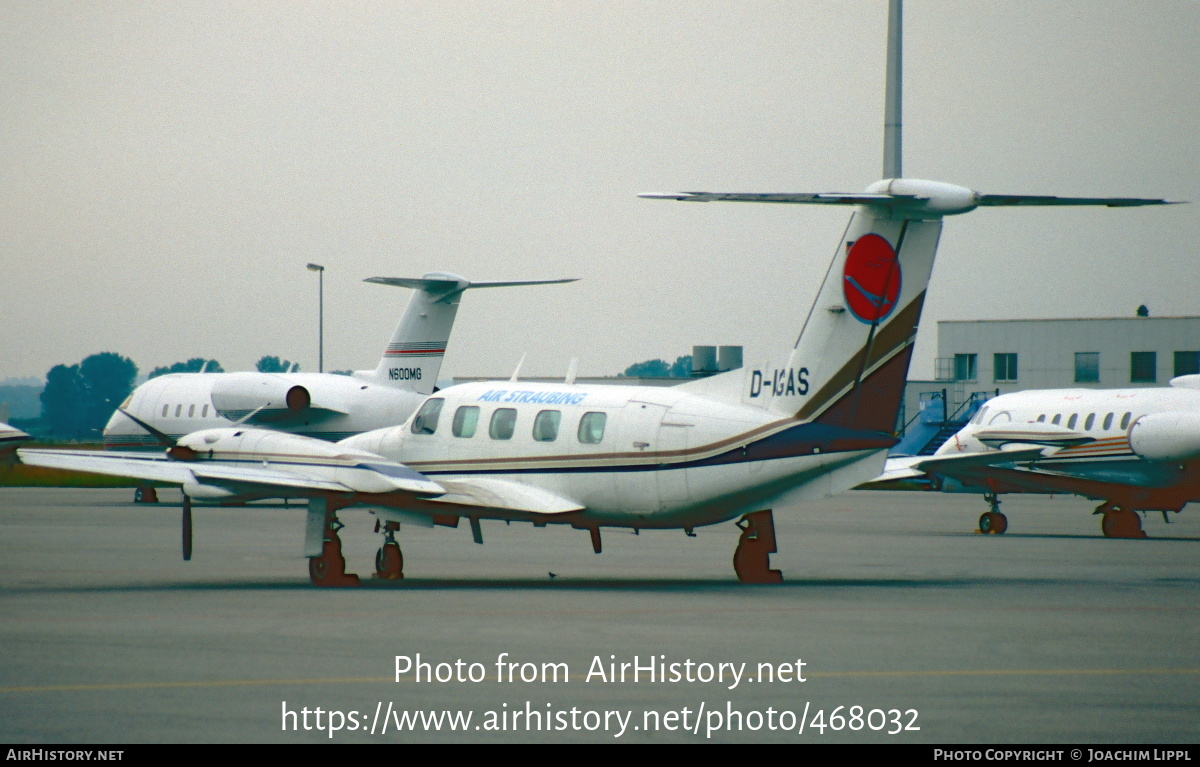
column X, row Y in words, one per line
column 320, row 270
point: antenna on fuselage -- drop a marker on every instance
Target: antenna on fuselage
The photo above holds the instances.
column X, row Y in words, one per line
column 891, row 106
column 516, row 373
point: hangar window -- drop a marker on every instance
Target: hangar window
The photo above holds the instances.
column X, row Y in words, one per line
column 1005, row 366
column 1143, row 367
column 1071, row 421
column 545, row 426
column 1108, row 421
column 1090, row 422
column 1187, row 363
column 1125, row 420
column 466, row 419
column 504, row 422
column 1087, row 367
column 1057, row 417
column 591, row 428
column 964, row 367
column 426, row 419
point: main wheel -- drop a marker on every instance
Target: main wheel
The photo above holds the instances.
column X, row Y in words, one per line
column 1122, row 524
column 993, row 522
column 389, row 562
column 145, row 495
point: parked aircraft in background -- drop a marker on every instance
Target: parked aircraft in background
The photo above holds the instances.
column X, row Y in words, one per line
column 10, row 438
column 320, row 405
column 816, row 422
column 1134, row 449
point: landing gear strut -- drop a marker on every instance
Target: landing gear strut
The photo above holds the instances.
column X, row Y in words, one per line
column 752, row 558
column 1119, row 522
column 187, row 528
column 389, row 562
column 329, row 567
column 993, row 521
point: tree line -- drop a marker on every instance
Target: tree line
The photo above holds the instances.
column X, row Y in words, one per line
column 78, row 400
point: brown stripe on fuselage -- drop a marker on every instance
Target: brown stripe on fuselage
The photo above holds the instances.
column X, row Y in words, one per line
column 901, row 330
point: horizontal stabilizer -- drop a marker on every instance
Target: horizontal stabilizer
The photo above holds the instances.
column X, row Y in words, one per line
column 809, row 198
column 433, row 285
column 1034, row 200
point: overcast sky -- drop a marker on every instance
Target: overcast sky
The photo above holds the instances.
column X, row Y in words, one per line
column 169, row 168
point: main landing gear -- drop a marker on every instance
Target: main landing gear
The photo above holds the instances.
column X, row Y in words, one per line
column 145, row 495
column 329, row 567
column 1119, row 522
column 992, row 521
column 752, row 558
column 389, row 562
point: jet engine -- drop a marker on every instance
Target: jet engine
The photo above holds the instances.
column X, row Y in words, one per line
column 236, row 395
column 1166, row 436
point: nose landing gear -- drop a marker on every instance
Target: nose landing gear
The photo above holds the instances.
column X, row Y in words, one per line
column 389, row 562
column 993, row 521
column 752, row 558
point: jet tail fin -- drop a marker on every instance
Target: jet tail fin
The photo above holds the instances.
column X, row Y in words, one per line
column 413, row 357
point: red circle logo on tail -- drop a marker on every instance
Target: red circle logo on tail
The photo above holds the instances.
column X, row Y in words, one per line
column 871, row 279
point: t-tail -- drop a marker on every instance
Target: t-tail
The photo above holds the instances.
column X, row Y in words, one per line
column 413, row 357
column 850, row 362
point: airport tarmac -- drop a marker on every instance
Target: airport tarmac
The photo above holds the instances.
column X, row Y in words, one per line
column 1049, row 633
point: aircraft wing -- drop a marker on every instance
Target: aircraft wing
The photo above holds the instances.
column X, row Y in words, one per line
column 238, row 477
column 918, row 472
column 10, row 437
column 163, row 469
column 503, row 494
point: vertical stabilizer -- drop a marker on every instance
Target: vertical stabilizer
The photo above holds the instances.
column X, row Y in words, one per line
column 413, row 357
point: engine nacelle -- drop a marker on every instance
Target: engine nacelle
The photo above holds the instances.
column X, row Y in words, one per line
column 206, row 492
column 234, row 395
column 1166, row 436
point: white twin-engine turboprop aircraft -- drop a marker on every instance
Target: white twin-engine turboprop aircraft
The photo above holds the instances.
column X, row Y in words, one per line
column 707, row 451
column 1133, row 449
column 321, row 405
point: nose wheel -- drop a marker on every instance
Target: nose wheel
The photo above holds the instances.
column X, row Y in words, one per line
column 993, row 521
column 752, row 558
column 389, row 562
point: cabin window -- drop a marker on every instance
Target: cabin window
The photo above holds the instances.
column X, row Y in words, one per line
column 1143, row 367
column 545, row 426
column 1125, row 420
column 1087, row 367
column 1091, row 420
column 1108, row 421
column 191, row 411
column 178, row 409
column 426, row 420
column 204, row 412
column 164, row 415
column 1057, row 417
column 466, row 418
column 504, row 423
column 591, row 428
column 1071, row 421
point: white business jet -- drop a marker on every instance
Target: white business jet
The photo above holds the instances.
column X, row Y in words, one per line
column 816, row 423
column 1133, row 449
column 320, row 405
